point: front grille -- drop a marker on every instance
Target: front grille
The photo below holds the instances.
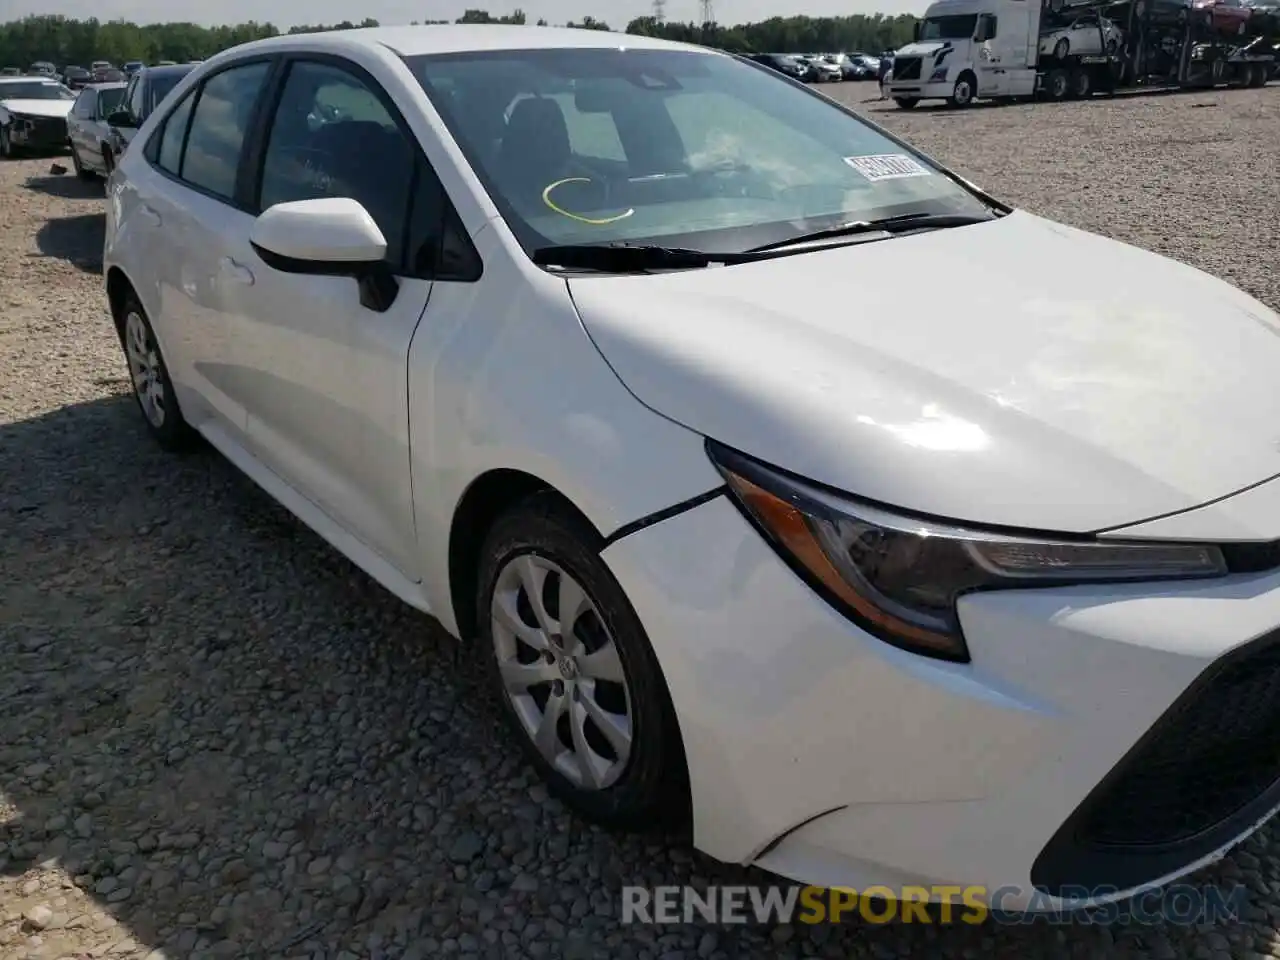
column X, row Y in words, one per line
column 906, row 68
column 45, row 130
column 1206, row 761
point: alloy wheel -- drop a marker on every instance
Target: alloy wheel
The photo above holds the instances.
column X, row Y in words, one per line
column 561, row 671
column 144, row 368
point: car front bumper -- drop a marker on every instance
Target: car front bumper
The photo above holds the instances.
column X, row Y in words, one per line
column 38, row 133
column 823, row 754
column 919, row 90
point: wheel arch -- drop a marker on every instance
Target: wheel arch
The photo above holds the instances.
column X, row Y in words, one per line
column 486, row 498
column 119, row 286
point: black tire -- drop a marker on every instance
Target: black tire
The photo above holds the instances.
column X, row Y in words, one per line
column 6, row 145
column 964, row 92
column 108, row 159
column 172, row 432
column 1061, row 49
column 83, row 172
column 1057, row 84
column 652, row 787
column 906, row 103
column 1081, row 84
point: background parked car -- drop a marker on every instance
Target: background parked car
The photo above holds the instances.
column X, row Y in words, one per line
column 76, row 77
column 33, row 114
column 1225, row 16
column 780, row 62
column 10, row 72
column 88, row 133
column 43, row 68
column 1086, row 34
column 133, row 66
column 146, row 89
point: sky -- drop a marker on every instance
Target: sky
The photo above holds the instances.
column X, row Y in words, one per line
column 287, row 13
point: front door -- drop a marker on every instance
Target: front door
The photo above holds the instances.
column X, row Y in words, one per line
column 323, row 378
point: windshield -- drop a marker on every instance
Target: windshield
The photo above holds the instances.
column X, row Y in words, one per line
column 35, row 90
column 160, row 87
column 681, row 148
column 958, row 27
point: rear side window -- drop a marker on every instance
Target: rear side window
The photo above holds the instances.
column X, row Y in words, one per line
column 175, row 131
column 218, row 128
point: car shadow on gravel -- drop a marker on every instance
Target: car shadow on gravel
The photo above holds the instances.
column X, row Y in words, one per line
column 234, row 741
column 67, row 186
column 78, row 240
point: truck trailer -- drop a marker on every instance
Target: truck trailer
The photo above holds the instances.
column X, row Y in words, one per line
column 966, row 50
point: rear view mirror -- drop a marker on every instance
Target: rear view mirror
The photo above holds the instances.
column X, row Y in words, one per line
column 328, row 236
column 121, row 118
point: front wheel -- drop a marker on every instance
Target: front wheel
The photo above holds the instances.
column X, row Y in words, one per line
column 6, row 145
column 573, row 670
column 1061, row 49
column 964, row 91
column 906, row 103
column 83, row 172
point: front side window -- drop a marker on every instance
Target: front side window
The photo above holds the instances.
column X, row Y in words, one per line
column 332, row 136
column 954, row 27
column 218, row 128
column 700, row 150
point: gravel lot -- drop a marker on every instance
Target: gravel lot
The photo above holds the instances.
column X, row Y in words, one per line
column 218, row 738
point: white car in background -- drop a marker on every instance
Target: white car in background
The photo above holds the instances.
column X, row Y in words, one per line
column 33, row 114
column 987, row 594
column 1087, row 35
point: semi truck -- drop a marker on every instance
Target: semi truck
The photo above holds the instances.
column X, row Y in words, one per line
column 966, row 50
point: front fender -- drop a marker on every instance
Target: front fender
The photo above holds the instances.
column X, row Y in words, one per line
column 502, row 375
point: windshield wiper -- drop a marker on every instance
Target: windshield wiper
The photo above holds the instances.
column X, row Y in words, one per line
column 910, row 221
column 628, row 257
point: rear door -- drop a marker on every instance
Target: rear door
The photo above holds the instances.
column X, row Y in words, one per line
column 78, row 122
column 194, row 207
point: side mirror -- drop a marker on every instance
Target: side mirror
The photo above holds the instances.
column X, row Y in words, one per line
column 120, row 118
column 330, row 237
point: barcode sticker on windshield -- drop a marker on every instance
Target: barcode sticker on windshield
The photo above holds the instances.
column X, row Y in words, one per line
column 887, row 166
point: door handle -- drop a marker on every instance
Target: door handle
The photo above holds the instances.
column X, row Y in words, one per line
column 237, row 271
column 150, row 215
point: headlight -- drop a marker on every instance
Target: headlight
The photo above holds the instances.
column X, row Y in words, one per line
column 938, row 75
column 898, row 577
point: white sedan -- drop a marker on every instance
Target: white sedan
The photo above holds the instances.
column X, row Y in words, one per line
column 535, row 326
column 1084, row 36
column 33, row 114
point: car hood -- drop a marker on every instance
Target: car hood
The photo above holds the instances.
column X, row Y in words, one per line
column 1018, row 372
column 39, row 108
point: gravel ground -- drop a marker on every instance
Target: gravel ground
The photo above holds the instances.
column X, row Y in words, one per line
column 219, row 739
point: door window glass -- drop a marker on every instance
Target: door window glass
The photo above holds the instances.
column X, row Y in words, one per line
column 332, row 136
column 218, row 128
column 175, row 129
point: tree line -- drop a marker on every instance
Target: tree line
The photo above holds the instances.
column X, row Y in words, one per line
column 64, row 40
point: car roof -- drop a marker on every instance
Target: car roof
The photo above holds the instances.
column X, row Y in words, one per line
column 409, row 41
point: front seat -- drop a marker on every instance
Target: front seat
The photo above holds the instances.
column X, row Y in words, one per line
column 535, row 150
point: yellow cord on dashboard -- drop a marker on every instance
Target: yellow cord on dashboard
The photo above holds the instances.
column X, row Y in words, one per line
column 546, row 198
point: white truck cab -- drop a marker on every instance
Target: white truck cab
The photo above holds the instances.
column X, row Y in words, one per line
column 966, row 49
